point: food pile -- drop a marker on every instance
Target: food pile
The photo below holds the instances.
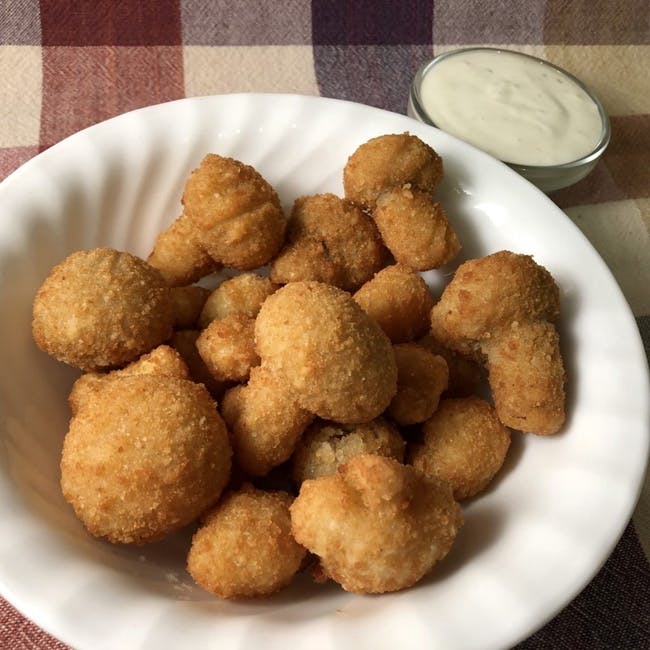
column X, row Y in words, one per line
column 323, row 416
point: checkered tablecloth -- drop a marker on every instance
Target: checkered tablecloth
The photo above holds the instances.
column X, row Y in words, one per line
column 66, row 64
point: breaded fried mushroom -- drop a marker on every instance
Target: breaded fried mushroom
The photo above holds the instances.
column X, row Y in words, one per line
column 376, row 525
column 415, row 228
column 335, row 359
column 143, row 457
column 421, row 378
column 162, row 361
column 329, row 240
column 390, row 161
column 325, row 446
column 178, row 255
column 264, row 421
column 101, row 309
column 236, row 214
column 243, row 294
column 505, row 305
column 227, row 347
column 526, row 375
column 491, row 292
column 244, row 548
column 464, row 444
column 399, row 301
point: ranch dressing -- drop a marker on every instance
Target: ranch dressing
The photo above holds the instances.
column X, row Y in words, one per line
column 515, row 107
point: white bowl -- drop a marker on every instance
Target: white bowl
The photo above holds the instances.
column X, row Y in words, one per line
column 528, row 545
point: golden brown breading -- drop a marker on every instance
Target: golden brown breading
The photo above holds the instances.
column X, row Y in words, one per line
column 244, row 548
column 143, row 457
column 421, row 379
column 526, row 376
column 184, row 342
column 505, row 305
column 490, row 292
column 243, row 294
column 227, row 346
column 325, row 446
column 464, row 444
column 390, row 161
column 376, row 525
column 415, row 229
column 178, row 255
column 188, row 303
column 399, row 300
column 162, row 360
column 335, row 359
column 236, row 213
column 329, row 240
column 264, row 422
column 101, row 309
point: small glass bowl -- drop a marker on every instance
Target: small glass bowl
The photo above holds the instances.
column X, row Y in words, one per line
column 546, row 177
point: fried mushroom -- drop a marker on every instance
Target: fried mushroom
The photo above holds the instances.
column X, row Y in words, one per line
column 101, row 309
column 264, row 421
column 244, row 547
column 178, row 255
column 227, row 348
column 390, row 161
column 143, row 457
column 399, row 301
column 464, row 444
column 415, row 228
column 236, row 213
column 329, row 240
column 325, row 446
column 376, row 525
column 334, row 358
column 242, row 294
column 421, row 378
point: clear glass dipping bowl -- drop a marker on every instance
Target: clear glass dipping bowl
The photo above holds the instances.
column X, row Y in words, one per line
column 546, row 177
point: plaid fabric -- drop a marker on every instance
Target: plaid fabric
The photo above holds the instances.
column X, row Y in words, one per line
column 66, row 64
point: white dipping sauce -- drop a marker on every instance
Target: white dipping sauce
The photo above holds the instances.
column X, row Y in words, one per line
column 515, row 107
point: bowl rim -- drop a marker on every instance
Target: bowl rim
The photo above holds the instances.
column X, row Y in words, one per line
column 589, row 157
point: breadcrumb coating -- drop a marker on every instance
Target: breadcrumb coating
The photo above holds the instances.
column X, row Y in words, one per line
column 415, row 228
column 421, row 378
column 527, row 377
column 143, row 457
column 179, row 256
column 464, row 444
column 243, row 294
column 236, row 213
column 376, row 525
column 399, row 301
column 162, row 360
column 101, row 309
column 227, row 346
column 329, row 240
column 264, row 421
column 335, row 359
column 390, row 161
column 490, row 292
column 244, row 547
